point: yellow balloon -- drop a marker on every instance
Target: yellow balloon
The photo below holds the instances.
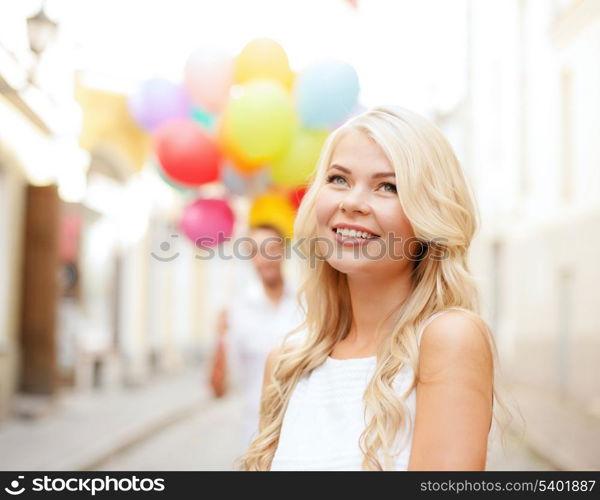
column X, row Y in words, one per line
column 275, row 210
column 227, row 145
column 293, row 80
column 263, row 58
column 300, row 160
column 259, row 122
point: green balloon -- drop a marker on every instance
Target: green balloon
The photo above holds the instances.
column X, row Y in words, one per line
column 261, row 121
column 204, row 118
column 300, row 160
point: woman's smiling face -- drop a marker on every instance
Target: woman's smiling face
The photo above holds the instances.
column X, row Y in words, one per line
column 360, row 190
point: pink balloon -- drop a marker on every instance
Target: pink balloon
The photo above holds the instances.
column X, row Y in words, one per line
column 208, row 77
column 207, row 222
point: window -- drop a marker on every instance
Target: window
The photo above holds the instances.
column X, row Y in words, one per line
column 524, row 174
column 496, row 283
column 5, row 237
column 565, row 325
column 566, row 124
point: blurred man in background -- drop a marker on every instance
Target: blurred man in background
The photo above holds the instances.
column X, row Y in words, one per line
column 254, row 322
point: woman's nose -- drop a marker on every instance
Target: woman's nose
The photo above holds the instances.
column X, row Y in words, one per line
column 355, row 200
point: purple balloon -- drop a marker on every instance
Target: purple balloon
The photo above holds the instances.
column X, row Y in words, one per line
column 207, row 222
column 158, row 100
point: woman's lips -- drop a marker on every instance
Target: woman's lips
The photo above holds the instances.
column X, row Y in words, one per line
column 352, row 240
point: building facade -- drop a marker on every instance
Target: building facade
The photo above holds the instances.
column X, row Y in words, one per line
column 534, row 156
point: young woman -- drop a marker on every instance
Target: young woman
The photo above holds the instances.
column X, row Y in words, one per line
column 396, row 367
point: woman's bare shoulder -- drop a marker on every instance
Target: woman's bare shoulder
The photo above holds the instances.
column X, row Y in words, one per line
column 457, row 336
column 454, row 395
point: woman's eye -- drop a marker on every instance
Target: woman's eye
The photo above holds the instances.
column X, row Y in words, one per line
column 392, row 187
column 333, row 179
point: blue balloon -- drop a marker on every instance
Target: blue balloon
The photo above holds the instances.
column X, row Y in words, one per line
column 326, row 93
column 260, row 182
column 233, row 181
column 245, row 185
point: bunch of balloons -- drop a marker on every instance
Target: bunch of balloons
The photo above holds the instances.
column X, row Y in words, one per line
column 249, row 122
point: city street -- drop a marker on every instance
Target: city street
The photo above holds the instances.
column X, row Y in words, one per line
column 171, row 424
column 210, row 440
column 165, row 191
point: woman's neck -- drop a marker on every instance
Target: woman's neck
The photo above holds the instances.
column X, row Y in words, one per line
column 373, row 299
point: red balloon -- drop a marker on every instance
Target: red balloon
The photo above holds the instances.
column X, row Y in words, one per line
column 187, row 153
column 296, row 196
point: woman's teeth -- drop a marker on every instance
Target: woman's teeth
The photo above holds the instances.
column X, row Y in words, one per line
column 352, row 233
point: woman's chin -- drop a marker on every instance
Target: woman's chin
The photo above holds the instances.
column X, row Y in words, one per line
column 350, row 265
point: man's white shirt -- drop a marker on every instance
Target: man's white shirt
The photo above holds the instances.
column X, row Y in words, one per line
column 255, row 327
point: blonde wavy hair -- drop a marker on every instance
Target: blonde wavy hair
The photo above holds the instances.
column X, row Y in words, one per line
column 440, row 206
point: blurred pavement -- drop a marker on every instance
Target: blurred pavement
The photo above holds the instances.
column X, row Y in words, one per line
column 175, row 424
column 84, row 430
column 210, row 439
column 559, row 431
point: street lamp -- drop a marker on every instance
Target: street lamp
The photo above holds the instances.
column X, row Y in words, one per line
column 41, row 30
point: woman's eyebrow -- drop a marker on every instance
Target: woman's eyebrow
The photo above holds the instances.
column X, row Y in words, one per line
column 374, row 176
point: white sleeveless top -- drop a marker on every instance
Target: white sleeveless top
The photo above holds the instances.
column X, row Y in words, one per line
column 325, row 416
